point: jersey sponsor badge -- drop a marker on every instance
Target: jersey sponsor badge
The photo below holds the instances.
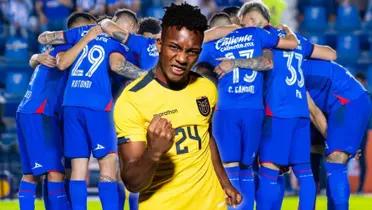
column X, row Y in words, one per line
column 37, row 165
column 203, row 106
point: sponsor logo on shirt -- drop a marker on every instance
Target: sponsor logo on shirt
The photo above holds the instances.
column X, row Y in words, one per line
column 168, row 112
column 152, row 50
column 234, row 42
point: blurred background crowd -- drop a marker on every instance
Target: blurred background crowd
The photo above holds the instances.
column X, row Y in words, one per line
column 345, row 25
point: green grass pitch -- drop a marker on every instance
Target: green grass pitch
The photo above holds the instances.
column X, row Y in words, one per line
column 357, row 202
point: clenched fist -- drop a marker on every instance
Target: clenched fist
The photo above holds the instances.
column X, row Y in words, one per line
column 160, row 137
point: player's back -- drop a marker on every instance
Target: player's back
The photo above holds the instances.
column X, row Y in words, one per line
column 45, row 89
column 185, row 177
column 89, row 84
column 285, row 91
column 241, row 88
column 330, row 84
column 142, row 51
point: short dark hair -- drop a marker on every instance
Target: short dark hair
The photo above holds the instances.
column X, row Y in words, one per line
column 231, row 11
column 126, row 13
column 150, row 25
column 77, row 16
column 184, row 15
column 219, row 16
column 255, row 6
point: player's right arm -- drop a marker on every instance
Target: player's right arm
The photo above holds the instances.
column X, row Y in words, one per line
column 323, row 52
column 120, row 65
column 66, row 59
column 139, row 149
column 111, row 28
column 52, row 38
column 260, row 63
column 288, row 42
column 138, row 161
column 317, row 116
column 218, row 32
column 42, row 58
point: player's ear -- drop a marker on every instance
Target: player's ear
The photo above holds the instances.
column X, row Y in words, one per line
column 158, row 44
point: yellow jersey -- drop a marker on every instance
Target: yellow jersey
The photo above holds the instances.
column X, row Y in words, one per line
column 185, row 177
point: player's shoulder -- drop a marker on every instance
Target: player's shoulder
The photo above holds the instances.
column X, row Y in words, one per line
column 140, row 83
column 202, row 83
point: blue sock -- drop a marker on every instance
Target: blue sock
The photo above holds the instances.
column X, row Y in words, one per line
column 277, row 204
column 307, row 193
column 133, row 201
column 45, row 194
column 57, row 198
column 78, row 194
column 26, row 195
column 330, row 205
column 338, row 185
column 268, row 189
column 108, row 194
column 247, row 188
column 121, row 194
column 233, row 174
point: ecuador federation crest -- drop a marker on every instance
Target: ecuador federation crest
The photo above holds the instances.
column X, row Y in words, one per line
column 203, row 106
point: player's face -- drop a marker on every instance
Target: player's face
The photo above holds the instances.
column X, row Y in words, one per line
column 179, row 50
column 253, row 19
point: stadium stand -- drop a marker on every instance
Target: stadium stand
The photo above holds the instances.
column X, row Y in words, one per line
column 341, row 26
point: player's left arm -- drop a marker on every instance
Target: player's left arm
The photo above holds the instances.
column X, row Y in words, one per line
column 42, row 58
column 122, row 66
column 232, row 195
column 52, row 38
column 323, row 52
column 112, row 29
column 66, row 59
column 317, row 117
column 260, row 63
column 218, row 32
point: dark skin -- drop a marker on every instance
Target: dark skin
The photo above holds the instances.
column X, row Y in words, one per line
column 178, row 52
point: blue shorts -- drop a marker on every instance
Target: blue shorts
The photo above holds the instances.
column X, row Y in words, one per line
column 40, row 143
column 237, row 133
column 285, row 141
column 88, row 131
column 347, row 125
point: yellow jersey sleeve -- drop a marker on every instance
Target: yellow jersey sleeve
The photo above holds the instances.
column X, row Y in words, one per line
column 129, row 124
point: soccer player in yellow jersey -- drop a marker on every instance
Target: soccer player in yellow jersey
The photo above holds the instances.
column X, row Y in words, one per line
column 163, row 125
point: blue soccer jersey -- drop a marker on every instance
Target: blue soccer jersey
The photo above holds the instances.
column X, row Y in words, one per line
column 89, row 84
column 142, row 51
column 45, row 89
column 330, row 84
column 285, row 91
column 241, row 88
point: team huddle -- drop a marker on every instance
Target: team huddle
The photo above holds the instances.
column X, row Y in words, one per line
column 190, row 118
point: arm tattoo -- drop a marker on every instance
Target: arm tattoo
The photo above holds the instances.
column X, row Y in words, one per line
column 54, row 37
column 120, row 36
column 129, row 70
column 258, row 64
